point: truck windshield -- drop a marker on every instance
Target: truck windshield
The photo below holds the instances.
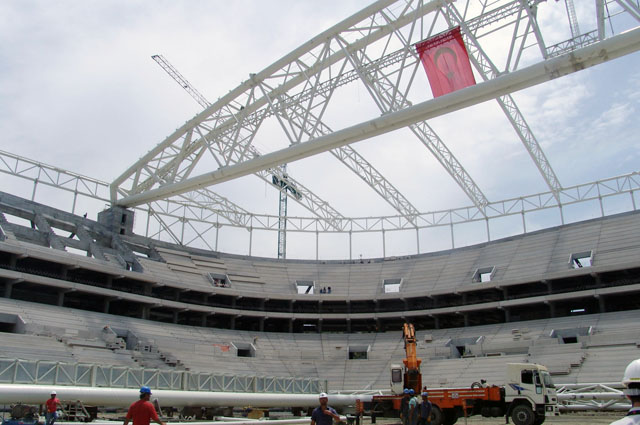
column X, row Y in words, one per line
column 546, row 379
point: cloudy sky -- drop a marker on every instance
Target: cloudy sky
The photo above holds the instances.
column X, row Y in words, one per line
column 79, row 90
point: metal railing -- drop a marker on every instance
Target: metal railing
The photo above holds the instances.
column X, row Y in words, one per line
column 40, row 372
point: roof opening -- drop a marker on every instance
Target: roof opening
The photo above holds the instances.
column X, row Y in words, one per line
column 391, row 285
column 484, row 274
column 219, row 280
column 359, row 352
column 579, row 260
column 305, row 287
column 244, row 349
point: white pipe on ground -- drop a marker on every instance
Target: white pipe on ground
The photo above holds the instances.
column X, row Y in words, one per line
column 117, row 397
column 227, row 421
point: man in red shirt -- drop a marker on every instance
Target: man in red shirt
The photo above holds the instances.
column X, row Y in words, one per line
column 142, row 411
column 52, row 406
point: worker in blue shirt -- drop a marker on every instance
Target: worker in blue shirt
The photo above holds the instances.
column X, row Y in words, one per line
column 324, row 414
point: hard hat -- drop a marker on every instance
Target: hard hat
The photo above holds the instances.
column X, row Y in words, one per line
column 425, row 394
column 145, row 390
column 53, row 392
column 406, row 391
column 632, row 378
column 322, row 395
column 411, row 391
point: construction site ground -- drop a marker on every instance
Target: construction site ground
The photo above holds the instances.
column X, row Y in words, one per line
column 581, row 418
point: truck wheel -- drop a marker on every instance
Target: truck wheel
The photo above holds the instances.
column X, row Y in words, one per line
column 437, row 417
column 522, row 415
column 450, row 417
column 539, row 420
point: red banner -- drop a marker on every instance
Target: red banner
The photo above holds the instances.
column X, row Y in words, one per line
column 446, row 61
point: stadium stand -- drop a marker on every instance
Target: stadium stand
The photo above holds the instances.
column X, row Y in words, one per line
column 565, row 297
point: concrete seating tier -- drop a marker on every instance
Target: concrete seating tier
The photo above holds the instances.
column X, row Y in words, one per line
column 62, row 334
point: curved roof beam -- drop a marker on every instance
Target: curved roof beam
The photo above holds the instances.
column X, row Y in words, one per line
column 234, row 108
column 546, row 70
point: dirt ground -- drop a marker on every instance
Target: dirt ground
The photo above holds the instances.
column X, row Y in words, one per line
column 566, row 419
column 582, row 418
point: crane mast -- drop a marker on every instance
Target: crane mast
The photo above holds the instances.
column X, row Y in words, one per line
column 285, row 185
column 412, row 375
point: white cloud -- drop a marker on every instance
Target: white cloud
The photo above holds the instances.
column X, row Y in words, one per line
column 79, row 90
column 614, row 117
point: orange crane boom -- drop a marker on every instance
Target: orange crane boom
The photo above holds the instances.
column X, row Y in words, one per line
column 412, row 375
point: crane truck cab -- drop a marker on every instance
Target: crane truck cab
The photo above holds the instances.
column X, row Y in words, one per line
column 528, row 397
column 529, row 394
column 397, row 381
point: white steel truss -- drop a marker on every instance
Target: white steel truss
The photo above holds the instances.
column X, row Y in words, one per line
column 182, row 214
column 585, row 57
column 276, row 176
column 43, row 372
column 488, row 70
column 375, row 46
column 238, row 116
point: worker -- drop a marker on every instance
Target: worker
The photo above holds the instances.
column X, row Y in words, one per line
column 52, row 409
column 414, row 409
column 425, row 409
column 631, row 384
column 142, row 411
column 404, row 407
column 323, row 414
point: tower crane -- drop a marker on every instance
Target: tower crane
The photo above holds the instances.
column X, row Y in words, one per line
column 573, row 19
column 284, row 183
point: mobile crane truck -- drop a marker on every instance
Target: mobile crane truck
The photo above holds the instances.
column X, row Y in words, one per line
column 528, row 397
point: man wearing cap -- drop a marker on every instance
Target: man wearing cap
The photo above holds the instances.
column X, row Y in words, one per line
column 142, row 411
column 413, row 408
column 425, row 409
column 323, row 414
column 404, row 407
column 52, row 409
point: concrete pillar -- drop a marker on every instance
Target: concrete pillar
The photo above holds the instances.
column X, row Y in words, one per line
column 466, row 319
column 290, row 326
column 262, row 319
column 232, row 324
column 61, row 298
column 105, row 308
column 349, row 325
column 175, row 316
column 602, row 306
column 507, row 315
column 436, row 321
column 8, row 288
